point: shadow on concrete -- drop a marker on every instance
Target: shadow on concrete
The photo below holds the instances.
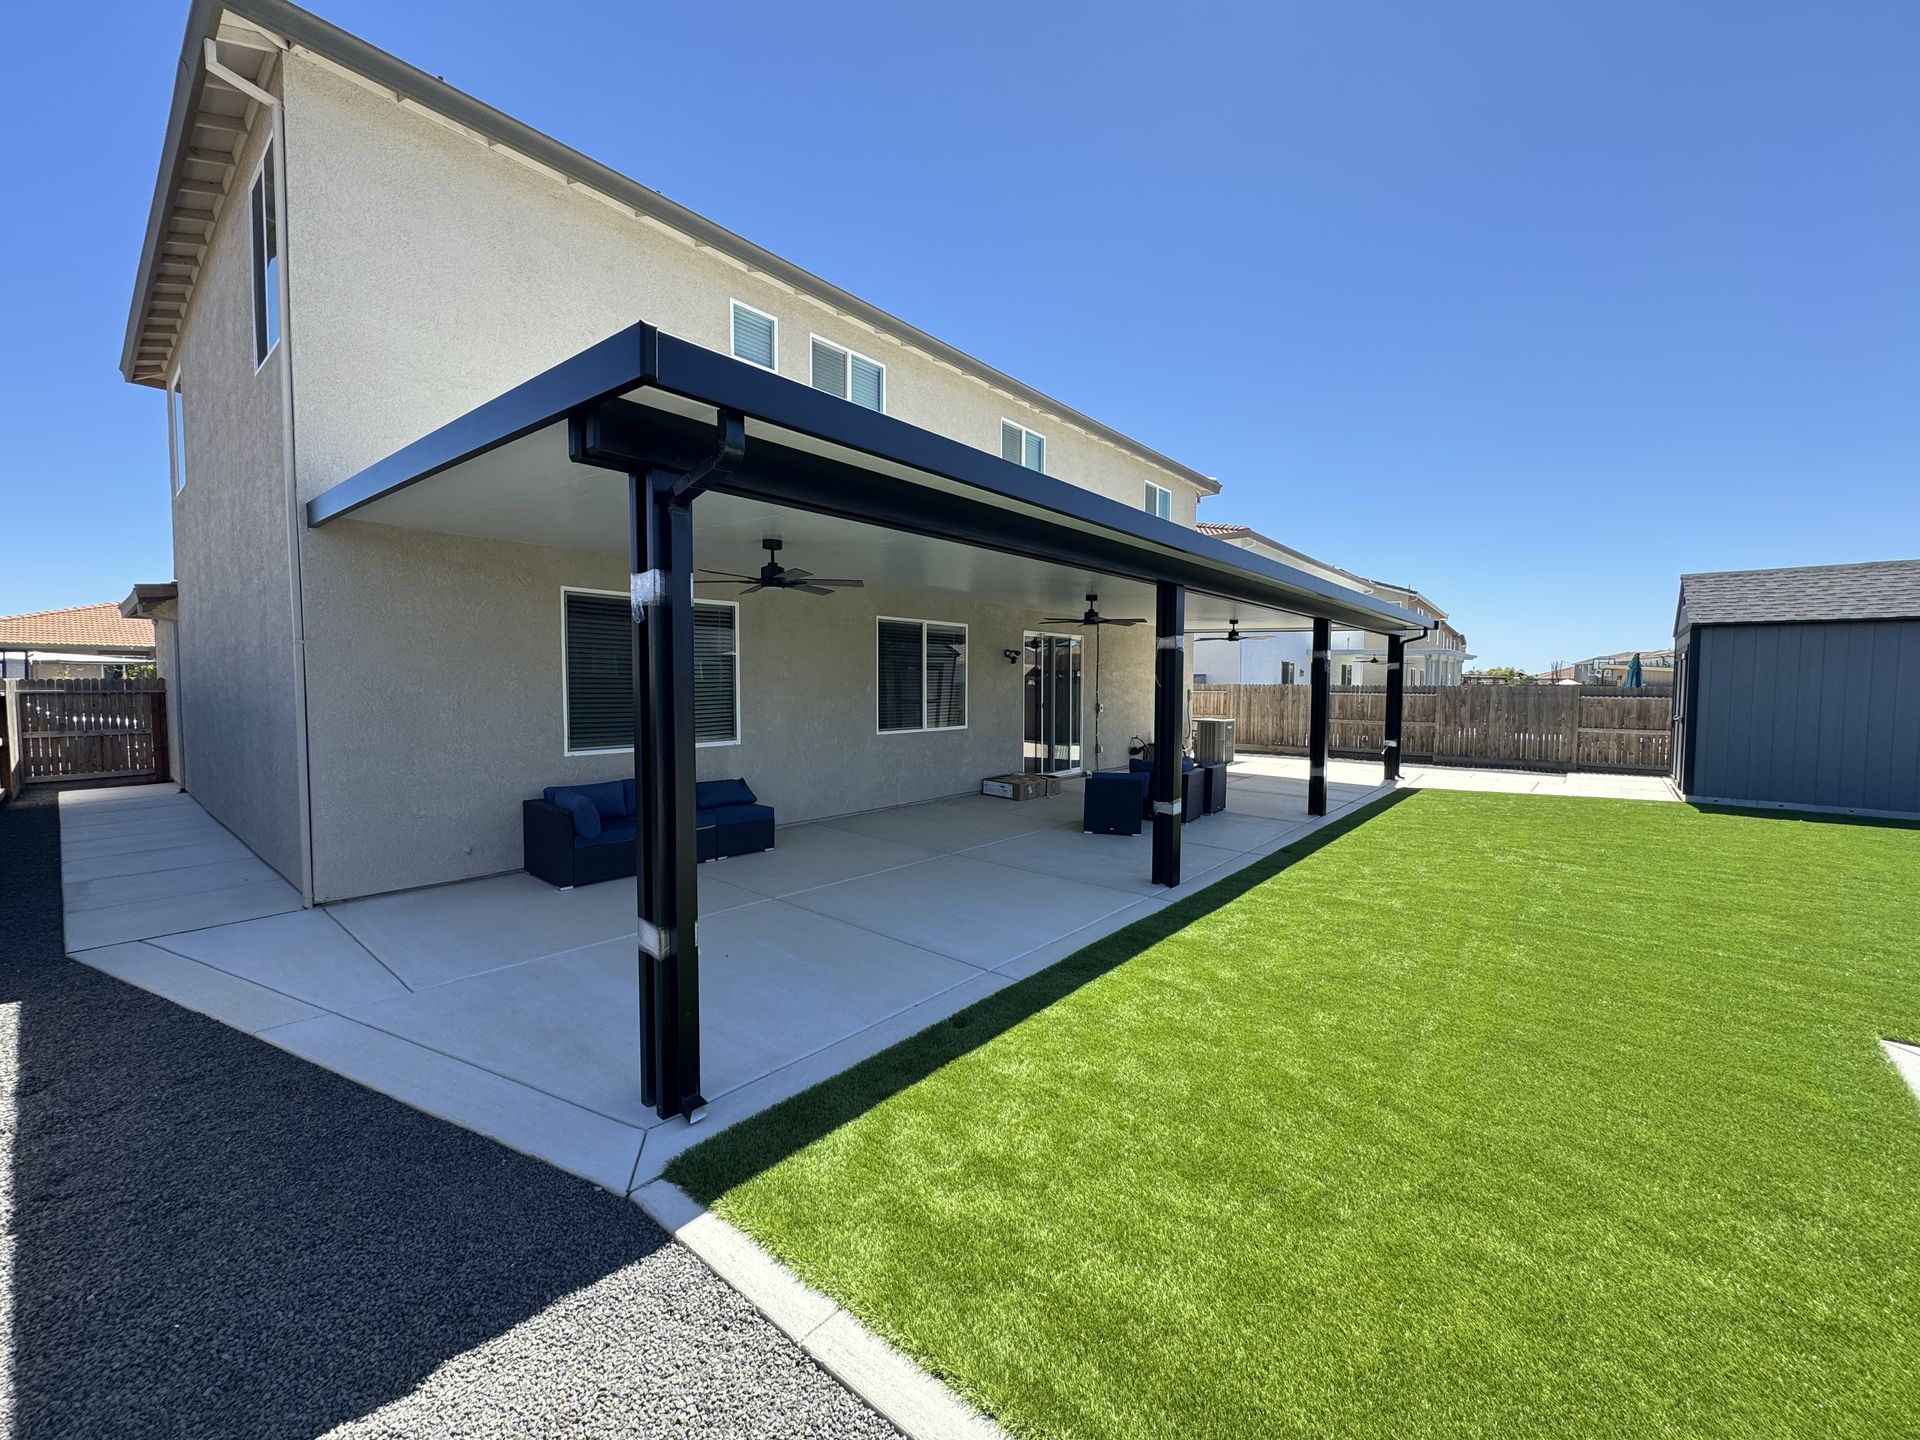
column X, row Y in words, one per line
column 762, row 1141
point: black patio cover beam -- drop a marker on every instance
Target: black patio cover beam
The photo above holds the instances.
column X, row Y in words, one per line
column 1167, row 782
column 955, row 490
column 1396, row 702
column 1318, row 713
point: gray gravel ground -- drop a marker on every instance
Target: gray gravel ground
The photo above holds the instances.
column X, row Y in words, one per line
column 210, row 1238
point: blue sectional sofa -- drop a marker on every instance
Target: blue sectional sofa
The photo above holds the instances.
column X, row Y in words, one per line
column 582, row 834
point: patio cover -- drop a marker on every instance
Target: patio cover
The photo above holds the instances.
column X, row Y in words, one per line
column 682, row 422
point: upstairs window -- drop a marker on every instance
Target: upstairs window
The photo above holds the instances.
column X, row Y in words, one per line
column 1159, row 501
column 922, row 676
column 839, row 371
column 756, row 336
column 1023, row 446
column 266, row 263
column 177, row 433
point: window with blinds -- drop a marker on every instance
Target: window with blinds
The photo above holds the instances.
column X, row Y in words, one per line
column 756, row 336
column 1023, row 446
column 922, row 676
column 599, row 672
column 839, row 371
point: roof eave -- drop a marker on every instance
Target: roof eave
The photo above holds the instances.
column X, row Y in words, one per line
column 300, row 27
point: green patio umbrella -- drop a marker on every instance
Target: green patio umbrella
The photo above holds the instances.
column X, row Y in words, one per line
column 1634, row 680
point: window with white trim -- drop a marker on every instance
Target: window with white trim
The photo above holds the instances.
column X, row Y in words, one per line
column 756, row 336
column 849, row 375
column 1023, row 446
column 921, row 675
column 177, row 433
column 1159, row 501
column 597, row 671
column 266, row 262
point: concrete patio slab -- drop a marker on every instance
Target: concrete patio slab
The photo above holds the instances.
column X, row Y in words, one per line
column 783, row 982
column 154, row 861
column 1113, row 862
column 306, row 954
column 158, row 884
column 1906, row 1059
column 962, row 822
column 575, row 1139
column 226, row 998
column 807, row 856
column 262, row 895
column 510, row 1007
column 429, row 937
column 973, row 911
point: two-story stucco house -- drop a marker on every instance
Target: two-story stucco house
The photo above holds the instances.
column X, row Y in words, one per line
column 476, row 451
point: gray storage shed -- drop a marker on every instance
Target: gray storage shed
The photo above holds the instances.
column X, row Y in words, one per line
column 1800, row 688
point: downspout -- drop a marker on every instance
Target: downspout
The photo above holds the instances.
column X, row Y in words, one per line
column 303, row 779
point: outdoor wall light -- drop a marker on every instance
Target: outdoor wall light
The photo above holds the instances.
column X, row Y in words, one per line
column 1013, row 656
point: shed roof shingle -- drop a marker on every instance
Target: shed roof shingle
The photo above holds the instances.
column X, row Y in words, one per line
column 83, row 627
column 1878, row 590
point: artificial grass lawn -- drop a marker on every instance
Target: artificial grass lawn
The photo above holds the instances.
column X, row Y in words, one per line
column 1493, row 1115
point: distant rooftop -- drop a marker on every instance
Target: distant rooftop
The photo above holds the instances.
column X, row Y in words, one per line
column 83, row 627
column 1878, row 590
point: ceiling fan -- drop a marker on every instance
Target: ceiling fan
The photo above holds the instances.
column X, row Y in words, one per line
column 775, row 576
column 1233, row 634
column 1095, row 621
column 1092, row 617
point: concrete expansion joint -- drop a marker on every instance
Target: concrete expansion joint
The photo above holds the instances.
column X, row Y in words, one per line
column 921, row 1406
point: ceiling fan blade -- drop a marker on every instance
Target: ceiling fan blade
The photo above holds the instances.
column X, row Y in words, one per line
column 843, row 584
column 724, row 575
column 1062, row 620
column 1135, row 621
column 811, row 589
column 748, row 590
column 793, row 572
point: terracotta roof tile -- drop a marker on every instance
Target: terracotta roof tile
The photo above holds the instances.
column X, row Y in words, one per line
column 83, row 627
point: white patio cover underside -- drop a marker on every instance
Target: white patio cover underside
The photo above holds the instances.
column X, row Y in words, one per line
column 529, row 492
column 510, row 1007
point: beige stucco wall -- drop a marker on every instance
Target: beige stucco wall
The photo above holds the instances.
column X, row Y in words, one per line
column 442, row 727
column 428, row 274
column 431, row 273
column 234, row 691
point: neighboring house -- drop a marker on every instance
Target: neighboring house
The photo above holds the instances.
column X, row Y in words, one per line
column 1437, row 658
column 86, row 642
column 1273, row 658
column 1656, row 668
column 1800, row 688
column 405, row 595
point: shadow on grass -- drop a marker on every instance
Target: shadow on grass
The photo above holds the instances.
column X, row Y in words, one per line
column 1805, row 817
column 762, row 1141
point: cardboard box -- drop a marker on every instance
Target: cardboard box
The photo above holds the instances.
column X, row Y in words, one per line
column 1020, row 787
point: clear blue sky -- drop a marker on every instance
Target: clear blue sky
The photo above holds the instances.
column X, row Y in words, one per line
column 1532, row 306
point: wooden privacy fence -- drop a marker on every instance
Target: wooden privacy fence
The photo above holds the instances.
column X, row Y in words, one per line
column 84, row 730
column 1544, row 727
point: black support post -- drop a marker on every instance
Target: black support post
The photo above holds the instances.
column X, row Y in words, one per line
column 1319, row 708
column 1396, row 702
column 1169, row 684
column 666, row 875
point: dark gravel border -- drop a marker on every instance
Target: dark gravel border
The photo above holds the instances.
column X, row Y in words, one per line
column 213, row 1238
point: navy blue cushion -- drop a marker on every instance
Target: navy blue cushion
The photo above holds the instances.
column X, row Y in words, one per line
column 609, row 797
column 1145, row 767
column 586, row 819
column 741, row 814
column 614, row 832
column 627, row 791
column 718, row 794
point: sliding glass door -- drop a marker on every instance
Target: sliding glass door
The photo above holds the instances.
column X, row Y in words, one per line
column 1052, row 667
